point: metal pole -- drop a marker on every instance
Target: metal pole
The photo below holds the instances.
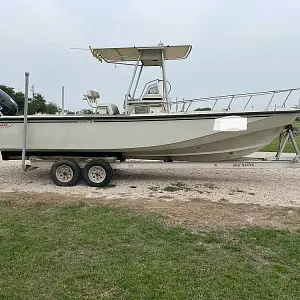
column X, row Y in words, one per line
column 131, row 83
column 165, row 92
column 215, row 104
column 270, row 100
column 137, row 81
column 248, row 102
column 25, row 121
column 228, row 108
column 283, row 105
column 63, row 100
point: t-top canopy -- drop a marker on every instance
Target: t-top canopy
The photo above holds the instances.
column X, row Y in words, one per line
column 149, row 56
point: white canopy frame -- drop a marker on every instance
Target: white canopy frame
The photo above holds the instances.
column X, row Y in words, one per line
column 143, row 56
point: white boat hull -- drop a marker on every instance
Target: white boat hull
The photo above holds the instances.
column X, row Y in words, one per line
column 178, row 137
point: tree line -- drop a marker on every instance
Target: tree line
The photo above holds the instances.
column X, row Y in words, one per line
column 37, row 104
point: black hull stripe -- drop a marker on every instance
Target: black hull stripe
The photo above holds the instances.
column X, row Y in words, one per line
column 130, row 118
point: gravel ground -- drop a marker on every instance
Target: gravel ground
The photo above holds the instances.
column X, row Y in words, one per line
column 264, row 187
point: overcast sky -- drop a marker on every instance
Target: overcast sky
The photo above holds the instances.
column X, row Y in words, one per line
column 238, row 45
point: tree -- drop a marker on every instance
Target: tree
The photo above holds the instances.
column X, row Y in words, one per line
column 37, row 105
column 52, row 108
column 20, row 100
column 202, row 109
column 87, row 111
column 69, row 112
column 8, row 90
column 17, row 96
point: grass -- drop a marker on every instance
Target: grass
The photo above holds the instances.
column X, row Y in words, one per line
column 273, row 146
column 176, row 186
column 79, row 251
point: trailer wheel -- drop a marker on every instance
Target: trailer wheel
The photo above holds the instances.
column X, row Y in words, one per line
column 65, row 172
column 97, row 173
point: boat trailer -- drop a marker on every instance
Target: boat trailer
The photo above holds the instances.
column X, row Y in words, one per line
column 98, row 172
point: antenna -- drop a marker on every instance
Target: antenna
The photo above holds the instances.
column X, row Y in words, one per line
column 75, row 48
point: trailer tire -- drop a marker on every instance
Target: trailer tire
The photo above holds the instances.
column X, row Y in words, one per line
column 97, row 173
column 65, row 172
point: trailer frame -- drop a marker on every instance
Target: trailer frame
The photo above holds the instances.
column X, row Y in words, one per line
column 99, row 171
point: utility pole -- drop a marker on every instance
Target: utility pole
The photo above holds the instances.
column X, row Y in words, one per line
column 63, row 100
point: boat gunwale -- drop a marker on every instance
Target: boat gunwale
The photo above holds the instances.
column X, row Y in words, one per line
column 148, row 117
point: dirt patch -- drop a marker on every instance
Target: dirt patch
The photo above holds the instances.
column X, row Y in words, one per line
column 195, row 214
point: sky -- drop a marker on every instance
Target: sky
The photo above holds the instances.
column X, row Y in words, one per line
column 239, row 46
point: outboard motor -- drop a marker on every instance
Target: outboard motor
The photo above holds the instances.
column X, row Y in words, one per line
column 8, row 107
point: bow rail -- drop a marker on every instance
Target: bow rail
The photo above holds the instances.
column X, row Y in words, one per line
column 269, row 97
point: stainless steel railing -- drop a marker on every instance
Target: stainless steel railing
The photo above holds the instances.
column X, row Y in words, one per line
column 185, row 104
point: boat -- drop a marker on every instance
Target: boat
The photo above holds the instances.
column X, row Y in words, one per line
column 151, row 126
